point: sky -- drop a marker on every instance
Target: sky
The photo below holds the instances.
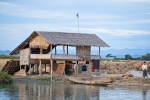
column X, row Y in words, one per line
column 120, row 23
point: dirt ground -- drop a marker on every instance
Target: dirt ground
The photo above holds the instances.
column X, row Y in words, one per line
column 3, row 62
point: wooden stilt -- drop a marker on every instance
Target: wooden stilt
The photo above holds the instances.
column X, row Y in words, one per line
column 25, row 68
column 64, row 67
column 20, row 67
column 37, row 69
column 45, row 68
column 33, row 69
column 40, row 68
column 30, row 70
column 51, row 69
column 51, row 61
column 77, row 68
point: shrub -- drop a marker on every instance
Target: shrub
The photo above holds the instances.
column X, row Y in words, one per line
column 5, row 77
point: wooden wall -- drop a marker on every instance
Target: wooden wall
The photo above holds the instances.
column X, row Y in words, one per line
column 38, row 42
column 84, row 52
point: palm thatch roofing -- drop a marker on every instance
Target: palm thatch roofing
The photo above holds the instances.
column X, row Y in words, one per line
column 63, row 38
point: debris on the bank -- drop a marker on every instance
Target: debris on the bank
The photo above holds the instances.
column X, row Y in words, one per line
column 126, row 75
column 20, row 73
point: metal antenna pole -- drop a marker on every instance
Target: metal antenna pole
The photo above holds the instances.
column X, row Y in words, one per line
column 78, row 21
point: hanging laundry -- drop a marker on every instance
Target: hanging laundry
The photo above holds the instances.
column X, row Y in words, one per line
column 93, row 70
column 95, row 63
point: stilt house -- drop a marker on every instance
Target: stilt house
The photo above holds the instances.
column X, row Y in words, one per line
column 37, row 49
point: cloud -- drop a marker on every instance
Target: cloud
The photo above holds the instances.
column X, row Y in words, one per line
column 22, row 11
column 138, row 1
column 21, row 28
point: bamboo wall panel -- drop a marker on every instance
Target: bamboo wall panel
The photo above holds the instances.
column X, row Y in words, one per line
column 25, row 56
column 38, row 42
column 83, row 52
column 40, row 56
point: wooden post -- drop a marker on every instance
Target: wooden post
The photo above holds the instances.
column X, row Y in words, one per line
column 41, row 51
column 40, row 68
column 25, row 68
column 99, row 52
column 33, row 69
column 63, row 50
column 37, row 69
column 67, row 49
column 64, row 67
column 51, row 61
column 30, row 70
column 20, row 67
column 45, row 68
column 55, row 50
column 51, row 69
column 77, row 68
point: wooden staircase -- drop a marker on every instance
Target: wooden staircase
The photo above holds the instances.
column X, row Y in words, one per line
column 11, row 66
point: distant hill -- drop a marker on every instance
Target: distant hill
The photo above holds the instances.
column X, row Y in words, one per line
column 118, row 53
column 6, row 52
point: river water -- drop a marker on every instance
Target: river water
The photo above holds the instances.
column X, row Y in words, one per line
column 70, row 91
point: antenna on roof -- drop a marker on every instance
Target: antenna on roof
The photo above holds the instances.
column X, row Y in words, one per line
column 78, row 21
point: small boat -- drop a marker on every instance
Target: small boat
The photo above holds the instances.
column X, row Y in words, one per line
column 91, row 80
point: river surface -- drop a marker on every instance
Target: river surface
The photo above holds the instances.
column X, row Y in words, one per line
column 68, row 91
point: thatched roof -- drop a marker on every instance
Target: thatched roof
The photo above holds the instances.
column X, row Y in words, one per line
column 63, row 38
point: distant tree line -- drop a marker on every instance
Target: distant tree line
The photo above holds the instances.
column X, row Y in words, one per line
column 128, row 56
column 8, row 57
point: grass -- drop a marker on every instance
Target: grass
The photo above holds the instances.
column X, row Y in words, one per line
column 3, row 62
column 5, row 78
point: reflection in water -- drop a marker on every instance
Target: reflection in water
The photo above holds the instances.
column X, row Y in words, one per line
column 62, row 91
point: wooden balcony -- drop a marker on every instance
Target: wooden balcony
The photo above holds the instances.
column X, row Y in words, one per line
column 59, row 57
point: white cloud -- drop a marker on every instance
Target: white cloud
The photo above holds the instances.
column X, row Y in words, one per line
column 22, row 11
column 138, row 1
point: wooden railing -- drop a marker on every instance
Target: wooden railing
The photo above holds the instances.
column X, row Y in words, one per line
column 59, row 57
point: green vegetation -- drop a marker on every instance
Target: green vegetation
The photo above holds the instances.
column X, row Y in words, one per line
column 146, row 57
column 5, row 77
column 8, row 57
column 127, row 56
